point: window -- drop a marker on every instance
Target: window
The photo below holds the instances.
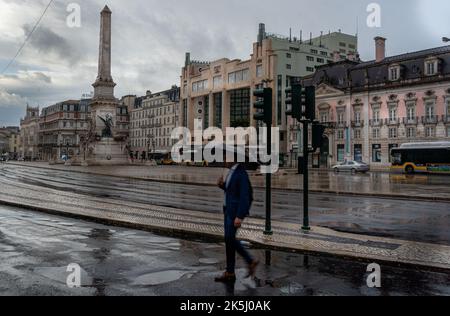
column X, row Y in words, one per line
column 239, row 76
column 448, row 131
column 376, row 133
column 324, row 117
column 393, row 133
column 376, row 115
column 310, row 69
column 259, row 71
column 357, row 133
column 218, row 109
column 200, row 86
column 342, row 44
column 314, row 51
column 393, row 114
column 217, row 82
column 324, row 54
column 288, row 66
column 357, row 117
column 341, row 117
column 320, row 60
column 240, row 108
column 288, row 55
column 309, row 58
column 430, row 132
column 340, row 134
column 411, row 111
column 429, row 111
column 394, row 73
column 351, row 46
column 431, row 67
column 410, row 132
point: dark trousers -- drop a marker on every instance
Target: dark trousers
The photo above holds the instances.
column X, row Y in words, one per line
column 233, row 245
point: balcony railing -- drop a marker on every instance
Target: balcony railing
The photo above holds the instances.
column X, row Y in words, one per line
column 446, row 118
column 430, row 119
column 392, row 121
column 357, row 123
column 375, row 123
column 341, row 125
column 410, row 120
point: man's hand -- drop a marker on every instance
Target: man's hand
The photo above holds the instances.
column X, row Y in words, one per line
column 238, row 222
column 221, row 183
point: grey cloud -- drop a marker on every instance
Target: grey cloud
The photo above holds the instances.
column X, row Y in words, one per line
column 46, row 41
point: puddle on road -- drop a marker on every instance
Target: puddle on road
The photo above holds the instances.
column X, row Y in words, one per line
column 209, row 261
column 60, row 274
column 162, row 277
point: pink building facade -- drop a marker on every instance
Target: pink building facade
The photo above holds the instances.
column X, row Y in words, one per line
column 372, row 107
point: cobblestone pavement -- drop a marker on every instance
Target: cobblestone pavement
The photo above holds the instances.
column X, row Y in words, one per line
column 36, row 248
column 286, row 236
column 435, row 187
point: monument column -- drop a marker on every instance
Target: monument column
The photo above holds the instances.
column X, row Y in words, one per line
column 105, row 146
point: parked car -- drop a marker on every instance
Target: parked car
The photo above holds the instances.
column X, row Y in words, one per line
column 352, row 166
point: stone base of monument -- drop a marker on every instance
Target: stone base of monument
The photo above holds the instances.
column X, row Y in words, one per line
column 107, row 152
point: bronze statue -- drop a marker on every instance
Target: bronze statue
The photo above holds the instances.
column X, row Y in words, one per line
column 107, row 131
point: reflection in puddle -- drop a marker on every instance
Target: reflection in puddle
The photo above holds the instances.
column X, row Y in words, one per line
column 157, row 278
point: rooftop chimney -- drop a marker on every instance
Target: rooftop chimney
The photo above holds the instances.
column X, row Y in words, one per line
column 187, row 60
column 380, row 48
column 261, row 33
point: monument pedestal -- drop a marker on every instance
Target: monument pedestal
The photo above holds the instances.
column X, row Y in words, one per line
column 107, row 152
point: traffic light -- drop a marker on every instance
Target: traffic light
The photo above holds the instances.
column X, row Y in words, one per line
column 301, row 103
column 294, row 101
column 310, row 103
column 318, row 131
column 264, row 105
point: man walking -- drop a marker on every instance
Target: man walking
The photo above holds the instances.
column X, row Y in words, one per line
column 238, row 201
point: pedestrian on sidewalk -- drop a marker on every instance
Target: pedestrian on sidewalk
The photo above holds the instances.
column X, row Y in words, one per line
column 238, row 200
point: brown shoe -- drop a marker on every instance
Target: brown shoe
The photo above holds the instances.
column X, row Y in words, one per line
column 226, row 278
column 252, row 268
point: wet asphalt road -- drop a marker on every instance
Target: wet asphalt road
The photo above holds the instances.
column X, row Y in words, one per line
column 409, row 220
column 35, row 250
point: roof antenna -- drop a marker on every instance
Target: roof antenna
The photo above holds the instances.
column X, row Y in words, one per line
column 290, row 34
column 357, row 26
column 301, row 36
column 310, row 38
column 321, row 34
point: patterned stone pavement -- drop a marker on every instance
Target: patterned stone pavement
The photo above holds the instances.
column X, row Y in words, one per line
column 287, row 236
column 419, row 187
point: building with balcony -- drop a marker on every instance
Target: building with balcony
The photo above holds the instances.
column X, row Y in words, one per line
column 65, row 126
column 152, row 121
column 61, row 126
column 372, row 107
column 221, row 92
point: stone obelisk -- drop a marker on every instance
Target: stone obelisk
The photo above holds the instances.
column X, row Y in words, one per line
column 105, row 148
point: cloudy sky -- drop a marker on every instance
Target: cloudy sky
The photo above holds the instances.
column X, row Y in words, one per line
column 150, row 38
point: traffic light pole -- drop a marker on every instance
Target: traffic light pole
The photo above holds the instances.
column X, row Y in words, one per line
column 268, row 230
column 305, row 176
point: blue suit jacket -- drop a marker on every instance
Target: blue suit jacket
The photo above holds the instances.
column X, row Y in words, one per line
column 238, row 194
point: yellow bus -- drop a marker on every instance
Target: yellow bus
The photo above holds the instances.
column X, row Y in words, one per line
column 422, row 158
